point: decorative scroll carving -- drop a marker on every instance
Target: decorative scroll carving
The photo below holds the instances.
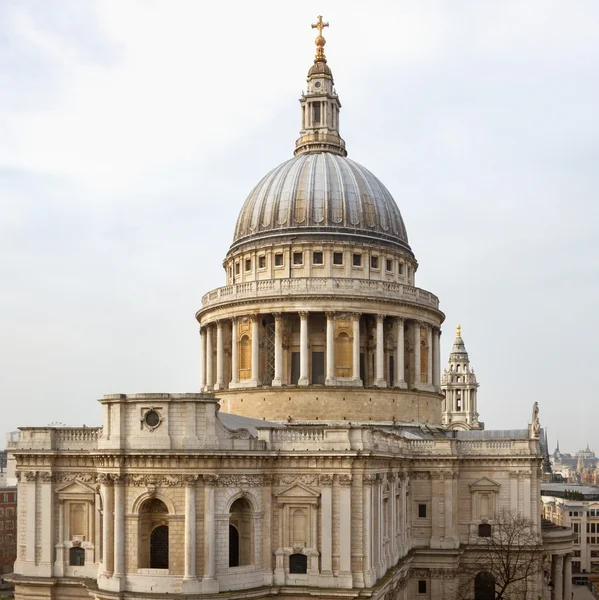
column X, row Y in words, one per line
column 369, row 479
column 421, row 475
column 325, row 480
column 190, row 480
column 241, row 434
column 45, row 477
column 66, row 477
column 210, row 480
column 290, row 479
column 118, row 479
column 242, row 481
column 103, row 479
column 345, row 480
column 30, row 475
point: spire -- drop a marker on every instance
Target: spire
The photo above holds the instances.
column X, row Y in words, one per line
column 320, row 105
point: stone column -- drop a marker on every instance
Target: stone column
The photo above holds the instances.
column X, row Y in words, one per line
column 304, row 377
column 234, row 353
column 437, row 358
column 107, row 491
column 345, row 545
column 380, row 352
column 202, row 359
column 556, row 577
column 331, row 379
column 255, row 350
column 568, row 576
column 367, row 482
column 356, row 351
column 190, row 581
column 278, row 378
column 30, row 515
column 326, row 526
column 209, row 359
column 451, row 538
column 429, row 342
column 400, row 377
column 220, row 351
column 119, row 526
column 209, row 581
column 47, row 523
column 59, row 561
column 417, row 377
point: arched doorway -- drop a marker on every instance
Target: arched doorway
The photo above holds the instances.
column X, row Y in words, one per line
column 153, row 551
column 159, row 548
column 240, row 533
column 484, row 586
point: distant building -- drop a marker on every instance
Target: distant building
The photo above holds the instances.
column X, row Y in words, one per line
column 580, row 466
column 576, row 507
column 8, row 528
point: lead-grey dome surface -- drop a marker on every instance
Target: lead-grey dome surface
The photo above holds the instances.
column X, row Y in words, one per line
column 319, row 194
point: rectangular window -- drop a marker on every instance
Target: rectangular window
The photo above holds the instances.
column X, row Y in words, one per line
column 10, row 512
column 422, row 511
column 422, row 586
column 374, row 262
column 401, row 268
column 357, row 260
column 236, row 268
column 389, row 265
column 317, row 258
column 278, row 260
column 298, row 258
column 248, row 264
column 262, row 262
column 10, row 524
column 337, row 258
column 316, row 113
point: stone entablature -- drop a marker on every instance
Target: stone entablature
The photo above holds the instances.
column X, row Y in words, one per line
column 332, row 287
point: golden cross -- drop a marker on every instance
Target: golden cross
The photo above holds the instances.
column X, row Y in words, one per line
column 319, row 25
column 459, row 331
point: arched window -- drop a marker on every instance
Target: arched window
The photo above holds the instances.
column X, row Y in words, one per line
column 245, row 357
column 77, row 556
column 298, row 563
column 153, row 535
column 343, row 355
column 240, row 533
column 159, row 548
column 484, row 586
column 484, row 530
column 423, row 362
column 298, row 530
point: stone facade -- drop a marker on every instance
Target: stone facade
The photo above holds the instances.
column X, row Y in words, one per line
column 314, row 461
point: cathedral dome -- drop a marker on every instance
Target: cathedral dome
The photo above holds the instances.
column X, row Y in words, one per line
column 321, row 194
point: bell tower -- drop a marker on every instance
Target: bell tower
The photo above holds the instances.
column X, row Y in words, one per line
column 320, row 105
column 460, row 388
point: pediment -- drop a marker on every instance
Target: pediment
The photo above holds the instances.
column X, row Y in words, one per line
column 74, row 488
column 296, row 492
column 484, row 483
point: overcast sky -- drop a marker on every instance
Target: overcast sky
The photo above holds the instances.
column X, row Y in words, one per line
column 132, row 132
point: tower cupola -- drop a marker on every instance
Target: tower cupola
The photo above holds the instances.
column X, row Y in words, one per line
column 320, row 105
column 461, row 388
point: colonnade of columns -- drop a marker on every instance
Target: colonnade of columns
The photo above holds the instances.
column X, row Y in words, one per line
column 561, row 576
column 214, row 379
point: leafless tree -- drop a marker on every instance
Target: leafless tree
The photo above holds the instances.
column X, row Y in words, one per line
column 504, row 561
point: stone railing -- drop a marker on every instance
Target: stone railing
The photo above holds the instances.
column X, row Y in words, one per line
column 57, row 438
column 327, row 286
column 349, row 438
